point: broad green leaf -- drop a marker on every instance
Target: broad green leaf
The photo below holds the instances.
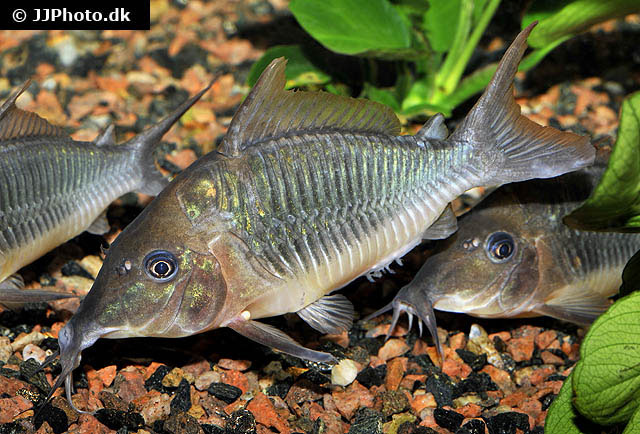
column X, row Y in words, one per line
column 631, row 275
column 299, row 71
column 615, row 203
column 606, row 380
column 440, row 22
column 573, row 17
column 562, row 418
column 353, row 26
column 633, row 427
column 383, row 96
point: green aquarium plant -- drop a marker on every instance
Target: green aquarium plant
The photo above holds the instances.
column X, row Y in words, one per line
column 604, row 387
column 430, row 43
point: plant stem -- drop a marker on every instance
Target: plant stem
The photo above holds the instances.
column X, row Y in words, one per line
column 462, row 32
column 451, row 80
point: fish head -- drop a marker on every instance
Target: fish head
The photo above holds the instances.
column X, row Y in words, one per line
column 156, row 280
column 489, row 268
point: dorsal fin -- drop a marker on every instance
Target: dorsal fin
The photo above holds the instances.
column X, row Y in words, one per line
column 269, row 111
column 15, row 123
column 107, row 137
column 434, row 128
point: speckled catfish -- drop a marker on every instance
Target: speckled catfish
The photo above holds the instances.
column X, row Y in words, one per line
column 52, row 187
column 307, row 192
column 512, row 256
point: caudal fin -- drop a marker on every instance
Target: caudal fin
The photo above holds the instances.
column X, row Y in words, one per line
column 514, row 148
column 144, row 145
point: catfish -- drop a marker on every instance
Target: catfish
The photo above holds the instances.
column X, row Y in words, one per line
column 513, row 257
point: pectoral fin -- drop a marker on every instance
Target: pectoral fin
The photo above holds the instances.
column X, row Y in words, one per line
column 270, row 336
column 100, row 225
column 443, row 227
column 330, row 314
column 13, row 295
column 577, row 305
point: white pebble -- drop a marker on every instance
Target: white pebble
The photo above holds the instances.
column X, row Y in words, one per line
column 344, row 372
column 31, row 351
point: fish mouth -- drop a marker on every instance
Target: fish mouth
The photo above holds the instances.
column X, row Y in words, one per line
column 71, row 346
column 417, row 303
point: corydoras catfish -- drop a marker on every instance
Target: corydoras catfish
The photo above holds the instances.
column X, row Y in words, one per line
column 307, row 192
column 52, row 188
column 512, row 256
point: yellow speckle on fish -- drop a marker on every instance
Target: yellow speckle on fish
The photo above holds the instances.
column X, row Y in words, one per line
column 211, row 192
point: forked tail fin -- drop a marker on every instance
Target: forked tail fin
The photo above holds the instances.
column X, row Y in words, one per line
column 514, row 148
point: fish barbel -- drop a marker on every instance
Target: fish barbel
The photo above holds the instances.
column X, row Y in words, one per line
column 52, row 188
column 513, row 256
column 307, row 192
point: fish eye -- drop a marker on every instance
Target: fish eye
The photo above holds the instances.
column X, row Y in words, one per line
column 500, row 246
column 161, row 265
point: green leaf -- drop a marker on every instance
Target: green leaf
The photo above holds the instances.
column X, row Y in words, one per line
column 353, row 26
column 440, row 22
column 571, row 18
column 631, row 275
column 562, row 418
column 606, row 380
column 614, row 205
column 383, row 96
column 299, row 72
column 633, row 427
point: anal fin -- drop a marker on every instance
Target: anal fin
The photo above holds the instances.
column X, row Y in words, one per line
column 443, row 227
column 330, row 314
column 272, row 337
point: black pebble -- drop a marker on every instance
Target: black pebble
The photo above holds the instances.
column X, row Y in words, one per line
column 155, row 380
column 537, row 430
column 224, row 392
column 118, row 419
column 315, row 376
column 182, row 398
column 500, row 345
column 12, row 428
column 475, row 361
column 72, row 268
column 49, row 344
column 448, row 419
column 366, row 421
column 280, row 389
column 556, row 377
column 475, row 382
column 474, row 426
column 441, row 389
column 55, row 417
column 28, row 373
column 508, row 422
column 240, row 422
column 546, row 400
column 211, row 429
column 372, row 376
